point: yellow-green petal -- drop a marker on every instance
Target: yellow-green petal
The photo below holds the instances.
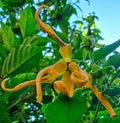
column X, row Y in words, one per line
column 65, row 85
column 73, row 67
column 55, row 71
column 66, row 52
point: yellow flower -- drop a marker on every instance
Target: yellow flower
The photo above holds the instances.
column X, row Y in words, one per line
column 65, row 85
column 72, row 75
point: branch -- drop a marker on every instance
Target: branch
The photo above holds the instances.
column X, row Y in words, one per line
column 20, row 100
column 96, row 112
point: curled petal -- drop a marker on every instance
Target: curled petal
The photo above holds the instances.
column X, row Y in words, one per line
column 65, row 85
column 103, row 100
column 66, row 52
column 18, row 87
column 54, row 71
column 58, row 67
column 73, row 67
column 59, row 86
column 47, row 75
column 79, row 78
column 45, row 27
column 39, row 82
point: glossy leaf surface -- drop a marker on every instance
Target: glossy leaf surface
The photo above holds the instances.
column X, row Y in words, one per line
column 21, row 59
column 65, row 110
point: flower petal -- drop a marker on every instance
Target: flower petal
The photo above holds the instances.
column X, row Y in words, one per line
column 74, row 67
column 59, row 86
column 65, row 85
column 66, row 52
column 79, row 78
column 18, row 87
column 47, row 75
column 39, row 82
column 46, row 27
column 54, row 71
column 103, row 100
column 100, row 97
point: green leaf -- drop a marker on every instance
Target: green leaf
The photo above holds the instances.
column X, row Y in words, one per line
column 106, row 119
column 37, row 40
column 3, row 111
column 67, row 11
column 3, row 53
column 21, row 60
column 3, row 106
column 113, row 91
column 65, row 110
column 9, row 39
column 103, row 52
column 85, row 53
column 27, row 22
column 13, row 3
column 114, row 60
column 116, row 119
column 64, row 27
column 5, row 119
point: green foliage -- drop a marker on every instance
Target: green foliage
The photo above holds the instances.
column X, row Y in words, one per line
column 65, row 110
column 106, row 119
column 114, row 60
column 9, row 39
column 3, row 110
column 101, row 53
column 19, row 58
column 25, row 50
column 13, row 81
column 27, row 22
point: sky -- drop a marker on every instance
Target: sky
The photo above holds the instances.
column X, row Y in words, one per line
column 108, row 12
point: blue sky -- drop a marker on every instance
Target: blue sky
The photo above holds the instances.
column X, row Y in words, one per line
column 108, row 12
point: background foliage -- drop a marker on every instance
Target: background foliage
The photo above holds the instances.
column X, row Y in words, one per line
column 25, row 49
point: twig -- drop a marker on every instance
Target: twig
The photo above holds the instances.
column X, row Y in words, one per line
column 20, row 100
column 96, row 112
